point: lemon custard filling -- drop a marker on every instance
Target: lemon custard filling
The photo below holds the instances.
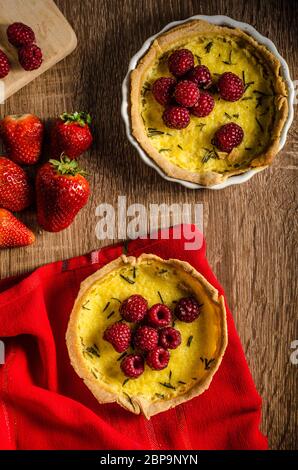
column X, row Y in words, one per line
column 158, row 282
column 191, row 148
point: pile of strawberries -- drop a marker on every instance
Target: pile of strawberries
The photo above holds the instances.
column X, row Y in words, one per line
column 22, row 37
column 61, row 189
column 187, row 95
column 152, row 336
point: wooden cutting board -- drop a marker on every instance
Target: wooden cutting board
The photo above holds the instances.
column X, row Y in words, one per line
column 54, row 36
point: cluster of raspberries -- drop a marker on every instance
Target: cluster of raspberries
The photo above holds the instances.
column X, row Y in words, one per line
column 152, row 337
column 22, row 37
column 186, row 94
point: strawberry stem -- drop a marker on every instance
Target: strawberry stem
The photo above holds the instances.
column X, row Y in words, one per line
column 66, row 166
column 80, row 118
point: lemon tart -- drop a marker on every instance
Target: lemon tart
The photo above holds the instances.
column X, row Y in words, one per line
column 190, row 366
column 190, row 153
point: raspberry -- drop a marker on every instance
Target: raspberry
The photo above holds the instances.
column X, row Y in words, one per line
column 187, row 309
column 201, row 76
column 158, row 358
column 159, row 315
column 146, row 338
column 186, row 93
column 4, row 64
column 176, row 117
column 119, row 335
column 230, row 87
column 134, row 308
column 163, row 89
column 180, row 62
column 19, row 34
column 132, row 365
column 228, row 136
column 204, row 105
column 30, row 57
column 169, row 338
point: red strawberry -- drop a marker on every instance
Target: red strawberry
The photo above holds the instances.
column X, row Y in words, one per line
column 30, row 57
column 15, row 188
column 61, row 191
column 71, row 134
column 22, row 136
column 13, row 233
column 4, row 65
column 19, row 34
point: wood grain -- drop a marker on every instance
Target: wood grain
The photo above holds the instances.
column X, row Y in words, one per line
column 251, row 230
column 53, row 35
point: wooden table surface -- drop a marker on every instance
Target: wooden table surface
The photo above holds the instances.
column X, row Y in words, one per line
column 250, row 229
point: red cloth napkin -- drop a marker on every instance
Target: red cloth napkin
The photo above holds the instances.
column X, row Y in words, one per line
column 45, row 405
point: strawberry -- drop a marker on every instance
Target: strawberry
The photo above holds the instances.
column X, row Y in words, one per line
column 13, row 233
column 61, row 191
column 15, row 189
column 71, row 135
column 22, row 136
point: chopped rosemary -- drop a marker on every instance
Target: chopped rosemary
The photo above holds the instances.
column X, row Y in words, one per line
column 258, row 92
column 207, row 362
column 246, row 98
column 179, row 146
column 125, row 382
column 210, row 153
column 170, row 375
column 93, row 350
column 106, row 306
column 260, row 125
column 111, row 314
column 208, row 47
column 152, row 131
column 181, row 382
column 84, row 305
column 134, row 272
column 95, row 375
column 194, row 378
column 115, row 298
column 167, row 385
column 189, row 341
column 121, row 356
column 162, row 271
column 248, row 148
column 164, row 150
column 160, row 296
column 236, row 116
column 228, row 116
column 146, row 88
column 229, row 61
column 243, row 76
column 130, row 281
column 247, row 85
column 199, row 59
column 160, row 395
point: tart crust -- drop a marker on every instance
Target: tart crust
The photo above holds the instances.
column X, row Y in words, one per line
column 159, row 46
column 140, row 403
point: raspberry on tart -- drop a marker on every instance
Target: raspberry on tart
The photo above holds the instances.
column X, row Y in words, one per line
column 145, row 338
column 186, row 93
column 187, row 309
column 245, row 86
column 119, row 335
column 132, row 365
column 169, row 338
column 163, row 89
column 158, row 358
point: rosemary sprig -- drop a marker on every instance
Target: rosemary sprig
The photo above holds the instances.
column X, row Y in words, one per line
column 208, row 47
column 199, row 59
column 210, row 153
column 181, row 382
column 162, row 271
column 228, row 116
column 94, row 373
column 258, row 92
column 164, row 150
column 93, row 350
column 207, row 362
column 111, row 314
column 107, row 306
column 160, row 395
column 201, row 125
column 246, row 98
column 179, row 146
column 134, row 272
column 115, row 298
column 125, row 382
column 189, row 341
column 130, row 281
column 84, row 305
column 167, row 385
column 153, row 132
column 170, row 375
column 247, row 85
column 160, row 296
column 247, row 148
column 229, row 61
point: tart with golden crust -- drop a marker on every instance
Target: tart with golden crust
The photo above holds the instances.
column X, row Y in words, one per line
column 189, row 154
column 191, row 365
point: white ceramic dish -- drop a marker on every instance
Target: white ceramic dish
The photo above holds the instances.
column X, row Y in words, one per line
column 224, row 21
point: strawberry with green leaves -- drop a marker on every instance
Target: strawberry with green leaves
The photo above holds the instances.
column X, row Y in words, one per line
column 13, row 233
column 22, row 136
column 61, row 191
column 71, row 135
column 15, row 189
